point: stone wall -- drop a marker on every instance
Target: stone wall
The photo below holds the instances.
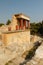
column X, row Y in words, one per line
column 13, row 23
column 18, row 41
column 19, row 37
column 16, row 44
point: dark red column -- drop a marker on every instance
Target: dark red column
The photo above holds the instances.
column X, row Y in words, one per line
column 9, row 28
column 21, row 23
column 17, row 27
column 24, row 23
column 28, row 24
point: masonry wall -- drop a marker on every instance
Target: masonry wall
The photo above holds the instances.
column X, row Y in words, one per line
column 19, row 37
column 13, row 23
column 20, row 40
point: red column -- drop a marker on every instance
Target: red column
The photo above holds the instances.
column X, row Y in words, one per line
column 28, row 24
column 17, row 27
column 24, row 23
column 9, row 28
column 21, row 23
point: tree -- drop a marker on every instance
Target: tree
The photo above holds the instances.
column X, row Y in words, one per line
column 37, row 28
column 1, row 24
column 8, row 22
column 41, row 28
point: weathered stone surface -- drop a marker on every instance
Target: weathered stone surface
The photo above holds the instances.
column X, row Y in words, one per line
column 13, row 52
column 15, row 44
column 16, row 37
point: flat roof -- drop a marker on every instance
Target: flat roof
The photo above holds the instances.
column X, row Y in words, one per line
column 22, row 16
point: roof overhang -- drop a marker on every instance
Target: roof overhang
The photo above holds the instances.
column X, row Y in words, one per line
column 22, row 16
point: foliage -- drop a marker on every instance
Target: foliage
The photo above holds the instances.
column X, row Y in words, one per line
column 8, row 22
column 36, row 28
column 1, row 24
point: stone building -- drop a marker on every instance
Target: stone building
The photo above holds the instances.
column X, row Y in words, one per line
column 16, row 38
column 18, row 31
column 19, row 22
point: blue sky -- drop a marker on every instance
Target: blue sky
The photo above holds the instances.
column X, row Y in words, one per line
column 32, row 8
